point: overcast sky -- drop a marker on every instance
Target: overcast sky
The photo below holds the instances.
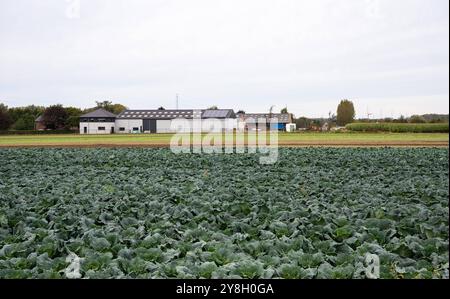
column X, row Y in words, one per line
column 390, row 57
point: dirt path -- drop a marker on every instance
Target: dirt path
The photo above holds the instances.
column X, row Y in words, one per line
column 282, row 144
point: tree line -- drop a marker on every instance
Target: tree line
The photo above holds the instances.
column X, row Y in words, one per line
column 58, row 117
column 55, row 117
column 345, row 114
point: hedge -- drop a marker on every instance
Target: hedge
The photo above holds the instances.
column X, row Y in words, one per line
column 398, row 127
column 33, row 132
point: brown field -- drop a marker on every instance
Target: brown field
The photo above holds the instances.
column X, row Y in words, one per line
column 284, row 139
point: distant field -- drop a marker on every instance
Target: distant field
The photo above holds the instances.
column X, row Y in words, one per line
column 398, row 128
column 286, row 139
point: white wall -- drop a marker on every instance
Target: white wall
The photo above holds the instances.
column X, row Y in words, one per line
column 180, row 125
column 241, row 126
column 207, row 125
column 163, row 126
column 212, row 125
column 92, row 127
column 128, row 124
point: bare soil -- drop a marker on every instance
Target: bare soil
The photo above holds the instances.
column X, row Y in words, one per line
column 282, row 144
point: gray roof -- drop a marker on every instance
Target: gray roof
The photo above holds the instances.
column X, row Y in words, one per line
column 282, row 117
column 219, row 113
column 39, row 119
column 99, row 113
column 172, row 114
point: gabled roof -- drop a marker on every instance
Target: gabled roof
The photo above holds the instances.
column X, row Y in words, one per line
column 39, row 119
column 99, row 113
column 172, row 114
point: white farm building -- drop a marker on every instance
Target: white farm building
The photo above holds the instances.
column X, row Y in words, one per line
column 101, row 121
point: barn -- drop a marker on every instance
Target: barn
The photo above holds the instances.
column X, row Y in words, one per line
column 159, row 121
column 152, row 121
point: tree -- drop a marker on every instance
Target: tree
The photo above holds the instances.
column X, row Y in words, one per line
column 72, row 122
column 5, row 118
column 284, row 110
column 401, row 119
column 241, row 112
column 161, row 108
column 55, row 117
column 108, row 106
column 303, row 123
column 73, row 111
column 117, row 108
column 417, row 119
column 73, row 117
column 438, row 120
column 318, row 122
column 331, row 116
column 213, row 108
column 24, row 117
column 25, row 122
column 345, row 113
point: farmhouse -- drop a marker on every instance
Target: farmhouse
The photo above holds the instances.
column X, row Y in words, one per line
column 153, row 121
column 99, row 121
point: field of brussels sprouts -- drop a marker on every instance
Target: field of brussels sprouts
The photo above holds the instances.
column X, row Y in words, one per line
column 148, row 213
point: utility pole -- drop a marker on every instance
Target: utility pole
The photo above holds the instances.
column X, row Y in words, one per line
column 368, row 114
column 176, row 101
column 270, row 111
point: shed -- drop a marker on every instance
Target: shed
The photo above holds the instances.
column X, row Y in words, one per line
column 39, row 124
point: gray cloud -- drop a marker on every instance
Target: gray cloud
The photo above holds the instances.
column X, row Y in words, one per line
column 390, row 56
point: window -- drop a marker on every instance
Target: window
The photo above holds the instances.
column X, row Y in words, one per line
column 101, row 128
column 97, row 120
column 121, row 129
column 135, row 129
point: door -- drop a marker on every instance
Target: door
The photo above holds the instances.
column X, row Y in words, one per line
column 150, row 125
column 112, row 130
column 85, row 130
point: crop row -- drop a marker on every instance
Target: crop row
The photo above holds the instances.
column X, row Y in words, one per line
column 149, row 213
column 398, row 127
